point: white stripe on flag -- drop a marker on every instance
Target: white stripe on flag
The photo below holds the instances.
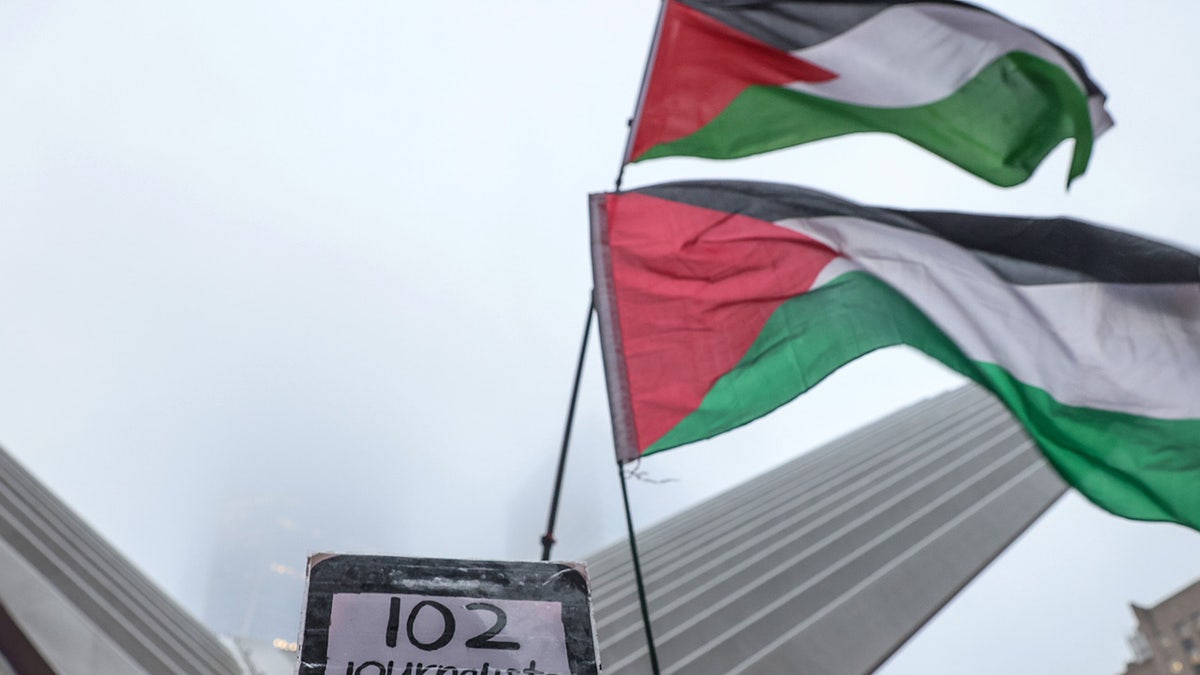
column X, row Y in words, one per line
column 910, row 55
column 1119, row 347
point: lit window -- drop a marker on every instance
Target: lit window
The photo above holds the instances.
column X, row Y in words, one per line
column 1176, row 667
column 280, row 643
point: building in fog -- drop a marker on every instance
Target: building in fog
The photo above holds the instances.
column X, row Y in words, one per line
column 1167, row 641
column 256, row 587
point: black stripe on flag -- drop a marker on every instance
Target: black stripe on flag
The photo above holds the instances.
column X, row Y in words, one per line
column 793, row 24
column 1021, row 250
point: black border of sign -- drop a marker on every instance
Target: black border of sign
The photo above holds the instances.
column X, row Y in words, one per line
column 545, row 581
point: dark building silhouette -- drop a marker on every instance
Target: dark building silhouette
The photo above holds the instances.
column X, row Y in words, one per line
column 1167, row 641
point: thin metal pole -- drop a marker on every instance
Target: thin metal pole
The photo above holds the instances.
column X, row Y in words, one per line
column 637, row 107
column 637, row 573
column 548, row 538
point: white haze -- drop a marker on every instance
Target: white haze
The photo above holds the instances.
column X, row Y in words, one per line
column 319, row 270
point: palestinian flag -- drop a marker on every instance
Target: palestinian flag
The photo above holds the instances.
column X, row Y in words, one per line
column 720, row 301
column 729, row 78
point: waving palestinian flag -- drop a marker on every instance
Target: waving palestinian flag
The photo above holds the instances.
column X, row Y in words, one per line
column 730, row 78
column 720, row 301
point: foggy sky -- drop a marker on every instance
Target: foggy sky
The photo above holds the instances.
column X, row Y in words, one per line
column 323, row 268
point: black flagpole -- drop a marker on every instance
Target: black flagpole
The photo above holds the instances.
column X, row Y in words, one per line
column 548, row 538
column 637, row 573
column 637, row 108
column 637, row 561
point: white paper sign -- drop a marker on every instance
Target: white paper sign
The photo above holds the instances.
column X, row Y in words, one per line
column 392, row 615
column 409, row 634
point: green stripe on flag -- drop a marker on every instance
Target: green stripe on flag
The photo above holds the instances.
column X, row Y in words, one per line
column 1137, row 467
column 999, row 125
column 806, row 339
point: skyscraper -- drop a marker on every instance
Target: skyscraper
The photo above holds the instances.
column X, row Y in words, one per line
column 829, row 563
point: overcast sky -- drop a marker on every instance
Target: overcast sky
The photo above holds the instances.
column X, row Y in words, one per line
column 325, row 266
